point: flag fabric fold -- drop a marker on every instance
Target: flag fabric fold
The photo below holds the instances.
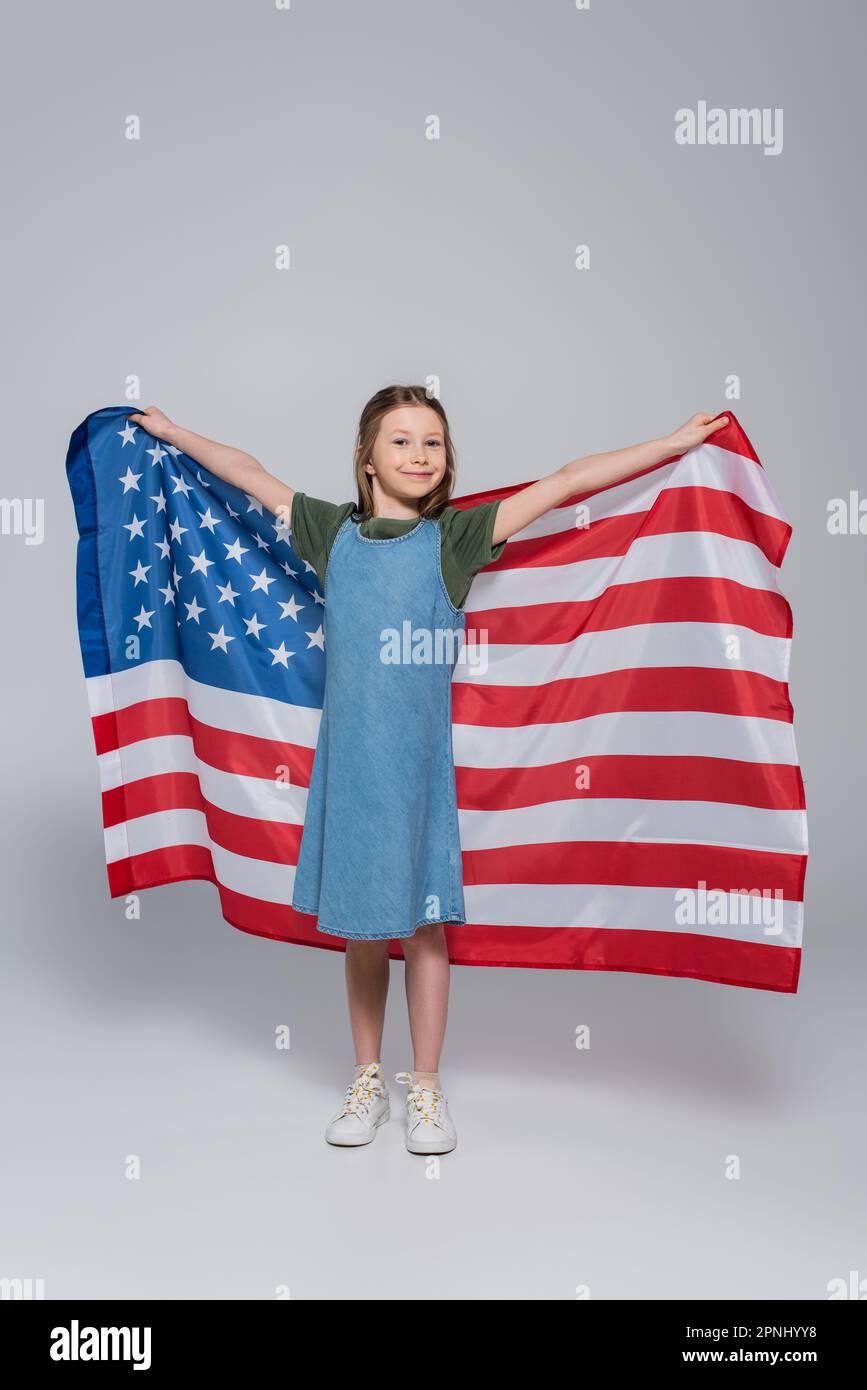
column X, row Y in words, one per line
column 628, row 787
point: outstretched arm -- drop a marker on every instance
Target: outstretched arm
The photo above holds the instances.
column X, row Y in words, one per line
column 233, row 465
column 596, row 471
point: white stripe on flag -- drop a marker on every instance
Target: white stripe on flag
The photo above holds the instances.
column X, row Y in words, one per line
column 671, row 555
column 643, row 646
column 706, row 467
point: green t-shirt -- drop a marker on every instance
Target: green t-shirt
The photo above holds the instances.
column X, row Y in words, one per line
column 466, row 537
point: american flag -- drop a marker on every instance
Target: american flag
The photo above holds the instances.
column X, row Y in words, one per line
column 628, row 785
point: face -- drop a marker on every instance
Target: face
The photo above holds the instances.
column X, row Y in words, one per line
column 409, row 455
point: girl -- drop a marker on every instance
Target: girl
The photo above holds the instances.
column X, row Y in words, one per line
column 380, row 856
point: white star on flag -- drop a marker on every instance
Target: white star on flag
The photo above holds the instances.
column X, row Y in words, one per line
column 221, row 640
column 280, row 654
column 263, row 580
column 140, row 573
column 227, row 593
column 291, row 608
column 130, row 480
column 201, row 563
column 236, row 549
column 143, row 617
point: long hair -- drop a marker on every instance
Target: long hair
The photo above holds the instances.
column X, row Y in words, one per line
column 368, row 427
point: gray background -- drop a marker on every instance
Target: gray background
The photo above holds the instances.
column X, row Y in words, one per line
column 411, row 257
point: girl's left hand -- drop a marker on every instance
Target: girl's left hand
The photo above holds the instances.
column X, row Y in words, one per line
column 695, row 431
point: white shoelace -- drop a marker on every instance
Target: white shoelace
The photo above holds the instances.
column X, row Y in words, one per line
column 423, row 1101
column 361, row 1092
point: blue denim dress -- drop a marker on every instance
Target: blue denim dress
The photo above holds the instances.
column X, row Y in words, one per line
column 380, row 851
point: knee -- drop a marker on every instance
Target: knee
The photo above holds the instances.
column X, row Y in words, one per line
column 428, row 937
column 368, row 950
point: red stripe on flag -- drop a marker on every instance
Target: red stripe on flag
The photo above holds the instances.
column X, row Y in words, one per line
column 639, row 864
column 776, row 786
column 691, row 599
column 165, row 791
column 254, row 838
column 245, row 754
column 679, row 509
column 158, row 866
column 639, row 688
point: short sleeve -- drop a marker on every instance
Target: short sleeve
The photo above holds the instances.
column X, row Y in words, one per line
column 467, row 546
column 315, row 524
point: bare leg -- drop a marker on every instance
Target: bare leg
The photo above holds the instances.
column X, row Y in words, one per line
column 427, row 993
column 367, row 975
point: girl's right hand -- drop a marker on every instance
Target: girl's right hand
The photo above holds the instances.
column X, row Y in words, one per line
column 154, row 421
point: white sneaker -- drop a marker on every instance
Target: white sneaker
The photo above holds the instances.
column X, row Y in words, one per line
column 429, row 1126
column 365, row 1107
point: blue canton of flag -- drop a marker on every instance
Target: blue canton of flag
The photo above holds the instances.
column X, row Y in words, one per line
column 196, row 570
